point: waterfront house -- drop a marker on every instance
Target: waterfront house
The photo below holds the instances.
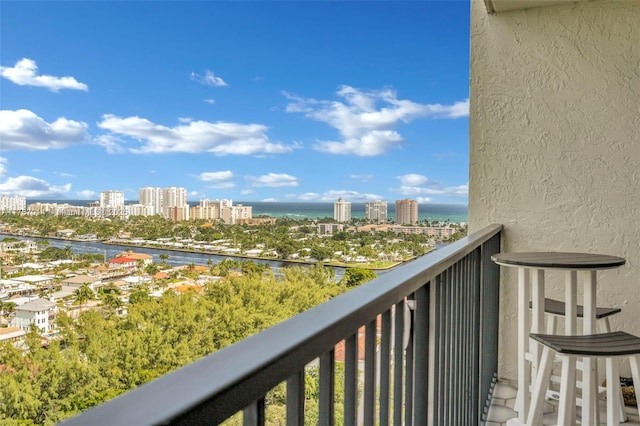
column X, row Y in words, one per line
column 39, row 312
column 122, row 263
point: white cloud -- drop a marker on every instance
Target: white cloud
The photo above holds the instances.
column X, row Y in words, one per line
column 376, row 142
column 419, row 187
column 28, row 186
column 247, row 191
column 3, row 166
column 209, row 101
column 333, row 195
column 412, row 179
column 110, row 143
column 25, row 73
column 270, row 200
column 222, row 179
column 208, row 79
column 23, row 129
column 273, row 180
column 216, row 176
column 309, row 196
column 366, row 119
column 64, row 174
column 219, row 138
column 353, row 196
column 87, row 194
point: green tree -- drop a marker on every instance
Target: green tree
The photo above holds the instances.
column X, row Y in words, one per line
column 355, row 276
column 83, row 294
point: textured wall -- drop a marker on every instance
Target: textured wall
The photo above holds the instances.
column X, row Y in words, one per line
column 555, row 143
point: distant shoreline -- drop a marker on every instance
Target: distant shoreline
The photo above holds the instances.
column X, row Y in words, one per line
column 311, row 210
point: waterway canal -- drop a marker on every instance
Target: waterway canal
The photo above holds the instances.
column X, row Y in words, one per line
column 176, row 258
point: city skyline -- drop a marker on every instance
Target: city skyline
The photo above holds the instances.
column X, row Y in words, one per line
column 271, row 101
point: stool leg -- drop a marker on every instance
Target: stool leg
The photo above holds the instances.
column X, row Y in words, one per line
column 552, row 324
column 634, row 361
column 540, row 387
column 606, row 328
column 567, row 407
column 613, row 392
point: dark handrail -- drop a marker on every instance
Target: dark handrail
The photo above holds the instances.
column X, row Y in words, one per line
column 214, row 388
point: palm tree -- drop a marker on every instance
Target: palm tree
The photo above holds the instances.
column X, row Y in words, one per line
column 83, row 294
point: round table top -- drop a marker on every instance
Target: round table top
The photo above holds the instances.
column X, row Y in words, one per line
column 559, row 260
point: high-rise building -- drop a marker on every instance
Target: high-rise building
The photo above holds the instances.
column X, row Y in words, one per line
column 12, row 203
column 174, row 197
column 111, row 199
column 406, row 212
column 174, row 203
column 150, row 196
column 342, row 210
column 376, row 211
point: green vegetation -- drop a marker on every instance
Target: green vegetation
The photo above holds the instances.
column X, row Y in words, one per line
column 101, row 354
column 287, row 239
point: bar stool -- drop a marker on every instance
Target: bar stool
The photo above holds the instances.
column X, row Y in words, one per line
column 556, row 308
column 606, row 345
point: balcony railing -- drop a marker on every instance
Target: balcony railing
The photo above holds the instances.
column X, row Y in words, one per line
column 434, row 361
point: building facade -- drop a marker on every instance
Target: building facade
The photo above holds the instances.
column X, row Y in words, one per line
column 152, row 197
column 406, row 212
column 557, row 168
column 111, row 199
column 38, row 312
column 12, row 204
column 174, row 203
column 342, row 210
column 376, row 211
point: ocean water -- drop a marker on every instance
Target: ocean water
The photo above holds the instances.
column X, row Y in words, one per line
column 309, row 210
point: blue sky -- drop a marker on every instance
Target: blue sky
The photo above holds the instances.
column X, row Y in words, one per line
column 252, row 101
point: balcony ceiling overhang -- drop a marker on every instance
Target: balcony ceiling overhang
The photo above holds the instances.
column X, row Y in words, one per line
column 498, row 6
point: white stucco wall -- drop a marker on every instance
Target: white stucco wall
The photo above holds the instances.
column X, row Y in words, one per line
column 555, row 143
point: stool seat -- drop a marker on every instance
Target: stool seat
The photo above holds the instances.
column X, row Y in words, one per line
column 605, row 345
column 556, row 307
column 615, row 343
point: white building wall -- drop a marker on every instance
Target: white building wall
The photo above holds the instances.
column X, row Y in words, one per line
column 376, row 211
column 555, row 143
column 342, row 210
column 111, row 199
column 12, row 204
column 151, row 196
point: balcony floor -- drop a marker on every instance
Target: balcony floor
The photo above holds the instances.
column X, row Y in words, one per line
column 504, row 397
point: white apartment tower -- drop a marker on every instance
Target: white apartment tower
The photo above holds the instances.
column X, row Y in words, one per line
column 174, row 203
column 406, row 212
column 111, row 199
column 174, row 197
column 150, row 196
column 12, row 204
column 169, row 202
column 342, row 210
column 376, row 211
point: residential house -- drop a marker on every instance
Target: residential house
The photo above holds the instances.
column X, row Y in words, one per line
column 74, row 283
column 40, row 312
